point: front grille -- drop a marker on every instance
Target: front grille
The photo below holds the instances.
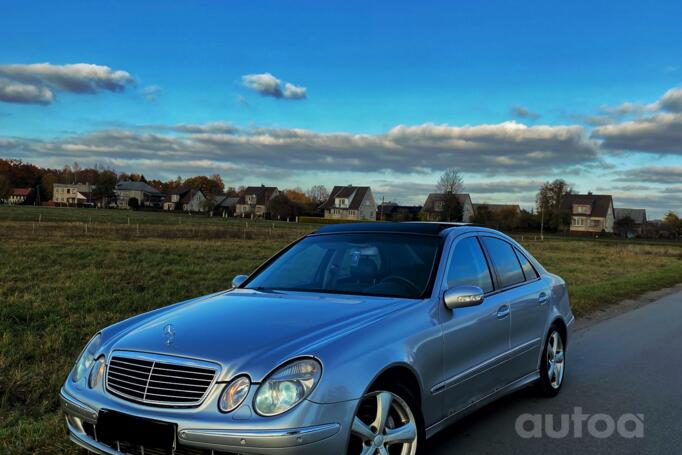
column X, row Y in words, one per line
column 155, row 381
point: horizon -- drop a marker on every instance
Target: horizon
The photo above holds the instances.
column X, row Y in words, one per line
column 388, row 97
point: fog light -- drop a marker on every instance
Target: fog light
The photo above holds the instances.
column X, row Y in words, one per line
column 97, row 373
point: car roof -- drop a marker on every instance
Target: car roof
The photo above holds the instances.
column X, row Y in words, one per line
column 417, row 227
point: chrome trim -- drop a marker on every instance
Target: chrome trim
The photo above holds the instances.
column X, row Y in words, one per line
column 166, row 360
column 257, row 439
column 76, row 408
column 488, row 364
column 509, row 388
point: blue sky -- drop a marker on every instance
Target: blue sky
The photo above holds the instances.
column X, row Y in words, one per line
column 386, row 93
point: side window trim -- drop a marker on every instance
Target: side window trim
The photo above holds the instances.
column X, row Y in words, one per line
column 498, row 282
column 491, row 269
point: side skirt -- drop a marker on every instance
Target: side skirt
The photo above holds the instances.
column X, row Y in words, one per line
column 506, row 390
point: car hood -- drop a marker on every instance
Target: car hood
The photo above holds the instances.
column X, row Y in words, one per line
column 253, row 332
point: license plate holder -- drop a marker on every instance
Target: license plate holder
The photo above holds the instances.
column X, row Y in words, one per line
column 117, row 426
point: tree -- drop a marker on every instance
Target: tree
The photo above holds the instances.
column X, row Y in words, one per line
column 318, row 193
column 449, row 184
column 672, row 224
column 104, row 187
column 4, row 187
column 282, row 207
column 549, row 200
column 209, row 185
column 624, row 226
column 133, row 203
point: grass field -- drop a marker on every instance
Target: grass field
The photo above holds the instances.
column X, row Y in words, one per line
column 57, row 290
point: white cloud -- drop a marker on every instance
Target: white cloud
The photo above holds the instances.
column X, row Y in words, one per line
column 268, row 85
column 524, row 113
column 38, row 82
column 661, row 133
column 151, row 92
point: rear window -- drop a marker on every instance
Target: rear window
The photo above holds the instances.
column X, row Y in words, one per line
column 504, row 260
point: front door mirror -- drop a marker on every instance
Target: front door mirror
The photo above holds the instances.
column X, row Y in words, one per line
column 238, row 280
column 463, row 296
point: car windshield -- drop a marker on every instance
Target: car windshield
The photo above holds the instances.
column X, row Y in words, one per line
column 391, row 265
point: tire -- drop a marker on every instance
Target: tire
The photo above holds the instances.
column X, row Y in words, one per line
column 552, row 363
column 404, row 415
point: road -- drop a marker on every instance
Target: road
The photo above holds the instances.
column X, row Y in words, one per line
column 630, row 364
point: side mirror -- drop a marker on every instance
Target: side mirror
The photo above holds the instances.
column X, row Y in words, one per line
column 463, row 296
column 238, row 280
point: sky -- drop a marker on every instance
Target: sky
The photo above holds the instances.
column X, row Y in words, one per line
column 386, row 94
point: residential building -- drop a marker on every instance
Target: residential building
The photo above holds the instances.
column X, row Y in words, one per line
column 638, row 216
column 19, row 196
column 590, row 213
column 435, row 205
column 351, row 203
column 145, row 195
column 72, row 193
column 391, row 211
column 255, row 201
column 225, row 205
column 186, row 199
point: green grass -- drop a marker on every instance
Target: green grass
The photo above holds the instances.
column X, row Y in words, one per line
column 56, row 291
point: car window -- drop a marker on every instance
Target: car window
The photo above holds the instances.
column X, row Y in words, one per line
column 505, row 262
column 528, row 269
column 468, row 266
column 358, row 263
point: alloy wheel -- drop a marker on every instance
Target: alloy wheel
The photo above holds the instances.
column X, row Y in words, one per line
column 384, row 425
column 555, row 360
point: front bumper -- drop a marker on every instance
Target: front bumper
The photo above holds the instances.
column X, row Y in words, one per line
column 297, row 432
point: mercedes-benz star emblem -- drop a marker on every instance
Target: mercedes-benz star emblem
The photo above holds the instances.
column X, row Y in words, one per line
column 169, row 333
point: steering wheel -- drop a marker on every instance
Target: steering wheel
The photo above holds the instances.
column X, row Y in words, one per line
column 400, row 279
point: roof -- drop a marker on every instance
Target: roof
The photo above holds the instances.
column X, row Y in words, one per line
column 356, row 194
column 189, row 194
column 263, row 194
column 430, row 204
column 600, row 203
column 497, row 208
column 638, row 215
column 180, row 190
column 226, row 201
column 137, row 186
column 405, row 228
column 21, row 192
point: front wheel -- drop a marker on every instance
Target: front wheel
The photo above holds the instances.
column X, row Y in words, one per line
column 553, row 364
column 386, row 423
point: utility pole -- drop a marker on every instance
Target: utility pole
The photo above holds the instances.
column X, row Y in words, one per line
column 542, row 221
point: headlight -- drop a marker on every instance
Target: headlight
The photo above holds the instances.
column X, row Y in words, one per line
column 234, row 394
column 287, row 387
column 97, row 373
column 86, row 358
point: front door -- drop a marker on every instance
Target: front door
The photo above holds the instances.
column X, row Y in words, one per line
column 476, row 338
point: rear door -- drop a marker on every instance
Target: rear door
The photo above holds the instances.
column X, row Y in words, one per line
column 526, row 295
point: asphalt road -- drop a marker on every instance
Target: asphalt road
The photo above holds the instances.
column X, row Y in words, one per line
column 630, row 364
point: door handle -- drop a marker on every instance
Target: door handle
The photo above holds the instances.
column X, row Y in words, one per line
column 543, row 298
column 503, row 312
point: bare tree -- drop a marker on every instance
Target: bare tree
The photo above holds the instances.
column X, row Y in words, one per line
column 450, row 182
column 318, row 193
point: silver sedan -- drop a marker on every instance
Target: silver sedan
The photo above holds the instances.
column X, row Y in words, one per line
column 357, row 339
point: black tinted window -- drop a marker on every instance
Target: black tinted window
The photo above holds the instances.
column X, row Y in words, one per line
column 527, row 267
column 504, row 260
column 468, row 266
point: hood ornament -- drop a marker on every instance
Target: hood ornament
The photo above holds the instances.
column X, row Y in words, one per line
column 169, row 334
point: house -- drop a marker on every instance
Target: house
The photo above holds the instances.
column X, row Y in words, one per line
column 145, row 195
column 186, row 199
column 350, row 203
column 638, row 217
column 255, row 201
column 72, row 193
column 391, row 211
column 435, row 204
column 590, row 213
column 19, row 196
column 225, row 206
